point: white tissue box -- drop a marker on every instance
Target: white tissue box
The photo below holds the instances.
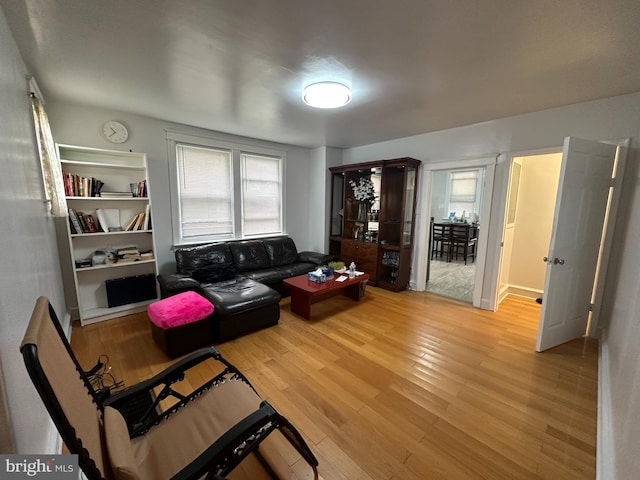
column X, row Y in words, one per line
column 317, row 277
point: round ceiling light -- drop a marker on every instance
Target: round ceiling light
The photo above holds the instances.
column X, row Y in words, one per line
column 326, row 95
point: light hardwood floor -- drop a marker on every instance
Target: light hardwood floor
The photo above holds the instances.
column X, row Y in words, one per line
column 405, row 386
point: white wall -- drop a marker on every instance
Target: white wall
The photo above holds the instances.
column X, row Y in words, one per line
column 28, row 252
column 534, row 219
column 613, row 118
column 620, row 359
column 439, row 195
column 322, row 159
column 80, row 125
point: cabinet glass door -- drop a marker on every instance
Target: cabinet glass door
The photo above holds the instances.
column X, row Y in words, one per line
column 337, row 204
column 409, row 200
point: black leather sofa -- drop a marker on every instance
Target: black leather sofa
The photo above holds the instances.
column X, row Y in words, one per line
column 243, row 280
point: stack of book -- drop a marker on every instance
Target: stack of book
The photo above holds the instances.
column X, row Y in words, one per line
column 77, row 186
column 128, row 254
column 82, row 222
column 116, row 194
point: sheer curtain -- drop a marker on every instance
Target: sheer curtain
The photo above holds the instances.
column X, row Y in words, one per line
column 51, row 172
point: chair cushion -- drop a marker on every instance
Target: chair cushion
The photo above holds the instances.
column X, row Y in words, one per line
column 180, row 309
column 123, row 463
column 179, row 439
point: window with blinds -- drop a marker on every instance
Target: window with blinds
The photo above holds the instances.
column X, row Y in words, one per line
column 205, row 192
column 261, row 194
column 463, row 192
column 225, row 193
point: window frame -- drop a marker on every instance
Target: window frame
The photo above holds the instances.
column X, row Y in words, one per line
column 174, row 139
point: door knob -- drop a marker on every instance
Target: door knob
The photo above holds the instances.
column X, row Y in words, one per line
column 546, row 259
column 558, row 261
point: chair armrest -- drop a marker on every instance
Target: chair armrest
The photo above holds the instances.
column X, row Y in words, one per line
column 174, row 283
column 170, row 375
column 314, row 257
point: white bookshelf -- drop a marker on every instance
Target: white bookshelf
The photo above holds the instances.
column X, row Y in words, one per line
column 117, row 170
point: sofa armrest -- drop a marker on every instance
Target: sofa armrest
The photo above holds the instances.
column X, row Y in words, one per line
column 174, row 283
column 314, row 257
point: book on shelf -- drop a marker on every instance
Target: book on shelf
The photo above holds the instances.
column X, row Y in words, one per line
column 93, row 228
column 130, row 226
column 148, row 255
column 77, row 186
column 128, row 250
column 84, row 224
column 142, row 189
column 116, row 195
column 147, row 219
column 128, row 254
column 78, row 222
column 75, row 223
column 139, row 222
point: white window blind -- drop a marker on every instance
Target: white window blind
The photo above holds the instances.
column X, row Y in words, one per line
column 463, row 193
column 206, row 192
column 261, row 194
column 463, row 186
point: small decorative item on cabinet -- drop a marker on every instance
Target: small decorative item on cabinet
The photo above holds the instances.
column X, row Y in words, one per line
column 357, row 230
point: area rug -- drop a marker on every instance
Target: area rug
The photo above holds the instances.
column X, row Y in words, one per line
column 452, row 279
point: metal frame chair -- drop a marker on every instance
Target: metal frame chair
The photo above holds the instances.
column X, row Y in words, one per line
column 203, row 434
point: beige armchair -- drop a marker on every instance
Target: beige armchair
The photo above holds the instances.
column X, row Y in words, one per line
column 151, row 431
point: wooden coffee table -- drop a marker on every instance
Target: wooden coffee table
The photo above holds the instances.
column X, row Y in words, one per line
column 304, row 292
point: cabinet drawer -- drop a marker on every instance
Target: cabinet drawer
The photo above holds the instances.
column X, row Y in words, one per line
column 349, row 251
column 368, row 252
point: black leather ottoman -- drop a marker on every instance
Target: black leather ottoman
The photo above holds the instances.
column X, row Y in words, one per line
column 241, row 305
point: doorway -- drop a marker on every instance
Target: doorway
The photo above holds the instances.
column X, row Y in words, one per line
column 531, row 200
column 581, row 237
column 456, row 199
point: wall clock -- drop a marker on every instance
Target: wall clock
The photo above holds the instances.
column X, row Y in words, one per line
column 115, row 132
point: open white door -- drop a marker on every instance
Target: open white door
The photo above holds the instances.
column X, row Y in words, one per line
column 585, row 180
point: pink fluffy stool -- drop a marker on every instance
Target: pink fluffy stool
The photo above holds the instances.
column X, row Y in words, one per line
column 181, row 323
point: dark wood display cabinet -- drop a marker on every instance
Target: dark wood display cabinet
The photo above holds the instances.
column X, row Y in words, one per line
column 372, row 218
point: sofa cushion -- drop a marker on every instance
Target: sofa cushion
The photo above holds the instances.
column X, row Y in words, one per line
column 191, row 258
column 249, row 255
column 314, row 257
column 281, row 251
column 240, row 295
column 216, row 272
column 270, row 276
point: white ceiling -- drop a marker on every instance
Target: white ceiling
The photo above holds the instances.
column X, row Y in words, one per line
column 415, row 66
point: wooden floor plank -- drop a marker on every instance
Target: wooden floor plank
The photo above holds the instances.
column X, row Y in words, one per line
column 402, row 385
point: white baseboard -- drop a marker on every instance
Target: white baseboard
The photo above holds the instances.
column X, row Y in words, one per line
column 524, row 291
column 605, row 465
column 67, row 321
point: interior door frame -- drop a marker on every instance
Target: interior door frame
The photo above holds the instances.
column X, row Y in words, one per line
column 500, row 207
column 607, row 241
column 423, row 217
